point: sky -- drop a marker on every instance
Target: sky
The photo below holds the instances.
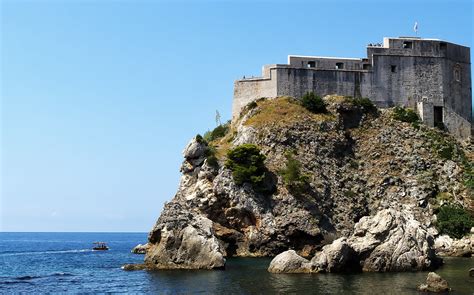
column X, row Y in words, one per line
column 99, row 98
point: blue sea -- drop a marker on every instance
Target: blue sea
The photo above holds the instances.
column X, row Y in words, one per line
column 65, row 263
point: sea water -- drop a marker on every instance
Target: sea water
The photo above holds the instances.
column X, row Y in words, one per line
column 65, row 263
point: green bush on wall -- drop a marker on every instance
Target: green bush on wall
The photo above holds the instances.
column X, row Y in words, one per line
column 247, row 164
column 454, row 221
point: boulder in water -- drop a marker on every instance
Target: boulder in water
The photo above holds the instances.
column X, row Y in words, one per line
column 392, row 240
column 435, row 284
column 335, row 257
column 289, row 262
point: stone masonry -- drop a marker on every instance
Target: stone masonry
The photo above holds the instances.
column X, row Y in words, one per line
column 429, row 75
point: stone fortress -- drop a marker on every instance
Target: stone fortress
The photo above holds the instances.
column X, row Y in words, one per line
column 429, row 75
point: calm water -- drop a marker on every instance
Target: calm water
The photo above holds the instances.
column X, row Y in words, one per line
column 63, row 262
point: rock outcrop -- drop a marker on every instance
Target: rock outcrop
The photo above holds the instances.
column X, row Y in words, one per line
column 289, row 262
column 434, row 284
column 140, row 249
column 338, row 256
column 356, row 163
column 393, row 240
column 447, row 246
column 183, row 240
column 389, row 241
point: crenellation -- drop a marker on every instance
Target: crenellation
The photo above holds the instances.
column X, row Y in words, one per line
column 429, row 75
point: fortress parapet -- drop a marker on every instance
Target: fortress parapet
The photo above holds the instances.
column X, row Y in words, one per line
column 429, row 75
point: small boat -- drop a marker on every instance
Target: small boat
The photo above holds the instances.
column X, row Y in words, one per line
column 100, row 246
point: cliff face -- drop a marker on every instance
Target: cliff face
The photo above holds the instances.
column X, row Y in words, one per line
column 356, row 162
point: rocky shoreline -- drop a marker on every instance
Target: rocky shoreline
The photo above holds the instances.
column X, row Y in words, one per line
column 366, row 200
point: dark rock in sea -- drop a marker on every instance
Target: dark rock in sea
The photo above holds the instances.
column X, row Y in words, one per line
column 471, row 272
column 130, row 267
column 435, row 284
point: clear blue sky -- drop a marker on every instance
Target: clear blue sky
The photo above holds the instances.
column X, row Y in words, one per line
column 99, row 98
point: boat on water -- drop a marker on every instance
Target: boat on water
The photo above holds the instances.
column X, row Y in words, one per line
column 100, row 246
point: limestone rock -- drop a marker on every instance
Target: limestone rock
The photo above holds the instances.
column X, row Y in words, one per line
column 335, row 257
column 183, row 240
column 289, row 262
column 434, row 283
column 357, row 164
column 140, row 249
column 195, row 149
column 389, row 241
column 393, row 240
column 446, row 246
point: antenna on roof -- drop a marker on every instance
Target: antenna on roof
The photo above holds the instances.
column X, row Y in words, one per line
column 415, row 28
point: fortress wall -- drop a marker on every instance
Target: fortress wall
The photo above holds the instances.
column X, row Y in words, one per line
column 248, row 90
column 457, row 125
column 458, row 95
column 419, row 73
column 324, row 63
column 413, row 79
column 296, row 82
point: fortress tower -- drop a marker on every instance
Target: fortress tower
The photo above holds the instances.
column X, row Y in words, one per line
column 429, row 75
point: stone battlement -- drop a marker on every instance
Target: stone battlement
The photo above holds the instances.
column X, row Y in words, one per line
column 430, row 75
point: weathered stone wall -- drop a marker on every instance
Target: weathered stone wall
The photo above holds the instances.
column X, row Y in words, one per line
column 404, row 81
column 248, row 90
column 324, row 63
column 409, row 72
column 298, row 81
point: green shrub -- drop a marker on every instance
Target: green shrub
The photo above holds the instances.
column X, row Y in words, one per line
column 444, row 197
column 218, row 132
column 454, row 221
column 405, row 115
column 251, row 105
column 313, row 103
column 199, row 138
column 211, row 157
column 350, row 194
column 468, row 175
column 247, row 164
column 446, row 152
column 294, row 180
column 442, row 145
column 365, row 103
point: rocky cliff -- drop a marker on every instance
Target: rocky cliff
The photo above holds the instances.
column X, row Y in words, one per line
column 353, row 162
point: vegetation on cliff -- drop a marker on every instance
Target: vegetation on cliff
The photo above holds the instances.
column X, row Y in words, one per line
column 247, row 165
column 218, row 132
column 405, row 115
column 295, row 180
column 282, row 111
column 454, row 221
column 313, row 103
column 330, row 172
